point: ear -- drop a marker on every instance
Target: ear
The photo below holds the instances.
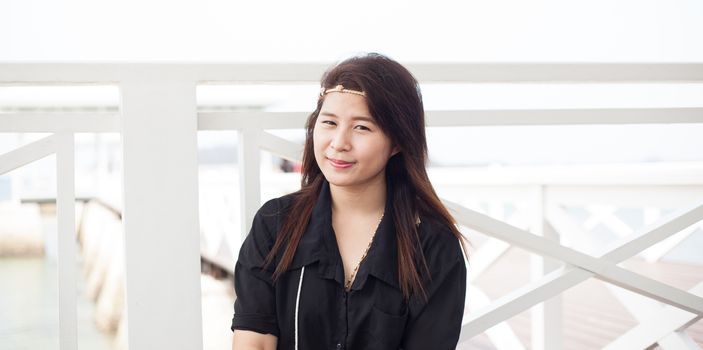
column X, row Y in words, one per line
column 395, row 150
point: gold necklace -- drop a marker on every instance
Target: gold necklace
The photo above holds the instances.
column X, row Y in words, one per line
column 347, row 286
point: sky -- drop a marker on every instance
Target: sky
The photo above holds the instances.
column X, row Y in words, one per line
column 322, row 31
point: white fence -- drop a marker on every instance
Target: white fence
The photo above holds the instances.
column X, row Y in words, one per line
column 162, row 242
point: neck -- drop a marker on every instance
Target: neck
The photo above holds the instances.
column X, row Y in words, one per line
column 368, row 199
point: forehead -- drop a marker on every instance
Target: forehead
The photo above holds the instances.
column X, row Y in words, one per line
column 345, row 105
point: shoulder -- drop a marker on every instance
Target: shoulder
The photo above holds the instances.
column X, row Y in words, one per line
column 264, row 231
column 269, row 217
column 441, row 248
column 276, row 206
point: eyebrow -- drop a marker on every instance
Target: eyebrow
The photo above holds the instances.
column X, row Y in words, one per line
column 357, row 117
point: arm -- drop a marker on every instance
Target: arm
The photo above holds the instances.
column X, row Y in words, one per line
column 438, row 324
column 255, row 324
column 248, row 340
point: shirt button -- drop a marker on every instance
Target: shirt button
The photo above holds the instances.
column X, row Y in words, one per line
column 339, row 345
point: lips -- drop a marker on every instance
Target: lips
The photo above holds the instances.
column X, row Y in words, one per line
column 340, row 163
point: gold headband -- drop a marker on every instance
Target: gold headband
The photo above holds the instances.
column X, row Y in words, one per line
column 340, row 88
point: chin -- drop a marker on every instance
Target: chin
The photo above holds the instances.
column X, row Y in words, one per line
column 347, row 180
column 337, row 180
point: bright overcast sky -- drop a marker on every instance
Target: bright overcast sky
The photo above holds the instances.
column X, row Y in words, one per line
column 322, row 31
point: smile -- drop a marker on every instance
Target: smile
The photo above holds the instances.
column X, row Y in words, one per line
column 340, row 163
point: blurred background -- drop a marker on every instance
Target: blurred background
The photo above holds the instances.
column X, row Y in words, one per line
column 490, row 169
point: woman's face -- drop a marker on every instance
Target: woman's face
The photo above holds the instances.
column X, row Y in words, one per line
column 350, row 149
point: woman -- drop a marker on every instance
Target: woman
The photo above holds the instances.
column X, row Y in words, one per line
column 364, row 255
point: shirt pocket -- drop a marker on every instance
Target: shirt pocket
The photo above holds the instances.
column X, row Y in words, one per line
column 387, row 329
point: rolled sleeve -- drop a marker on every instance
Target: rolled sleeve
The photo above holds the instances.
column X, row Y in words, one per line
column 438, row 325
column 255, row 303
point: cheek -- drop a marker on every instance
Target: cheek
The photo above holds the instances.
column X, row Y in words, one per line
column 379, row 150
column 317, row 142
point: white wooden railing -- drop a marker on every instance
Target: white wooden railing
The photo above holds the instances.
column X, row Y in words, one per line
column 158, row 121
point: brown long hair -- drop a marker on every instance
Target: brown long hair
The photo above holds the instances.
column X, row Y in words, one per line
column 394, row 99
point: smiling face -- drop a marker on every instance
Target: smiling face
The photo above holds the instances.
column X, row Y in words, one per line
column 350, row 149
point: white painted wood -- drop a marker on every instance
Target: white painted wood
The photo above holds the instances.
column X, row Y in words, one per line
column 251, row 120
column 636, row 304
column 573, row 233
column 645, row 309
column 556, row 72
column 486, row 255
column 605, row 214
column 656, row 232
column 28, row 153
column 281, row 147
column 640, row 307
column 563, row 278
column 678, row 340
column 651, row 288
column 74, row 72
column 667, row 320
column 15, row 179
column 66, row 219
column 102, row 165
column 59, row 122
column 603, row 268
column 617, row 193
column 249, row 177
column 501, row 335
column 109, row 122
column 622, row 179
column 162, row 234
column 81, row 73
column 520, row 300
column 546, row 316
column 493, row 117
column 660, row 249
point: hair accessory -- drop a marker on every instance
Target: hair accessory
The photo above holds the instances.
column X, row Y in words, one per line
column 340, row 88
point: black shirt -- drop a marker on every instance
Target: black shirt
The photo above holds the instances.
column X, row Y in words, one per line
column 373, row 314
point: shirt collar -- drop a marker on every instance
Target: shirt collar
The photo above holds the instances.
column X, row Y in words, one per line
column 320, row 244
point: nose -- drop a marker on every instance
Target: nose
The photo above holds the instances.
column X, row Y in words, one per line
column 340, row 140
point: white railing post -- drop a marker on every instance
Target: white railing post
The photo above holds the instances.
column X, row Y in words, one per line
column 546, row 316
column 162, row 234
column 102, row 166
column 15, row 176
column 65, row 216
column 249, row 177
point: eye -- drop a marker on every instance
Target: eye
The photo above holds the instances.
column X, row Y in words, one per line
column 361, row 127
column 328, row 122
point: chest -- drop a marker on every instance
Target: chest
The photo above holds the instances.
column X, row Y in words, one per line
column 370, row 318
column 354, row 238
